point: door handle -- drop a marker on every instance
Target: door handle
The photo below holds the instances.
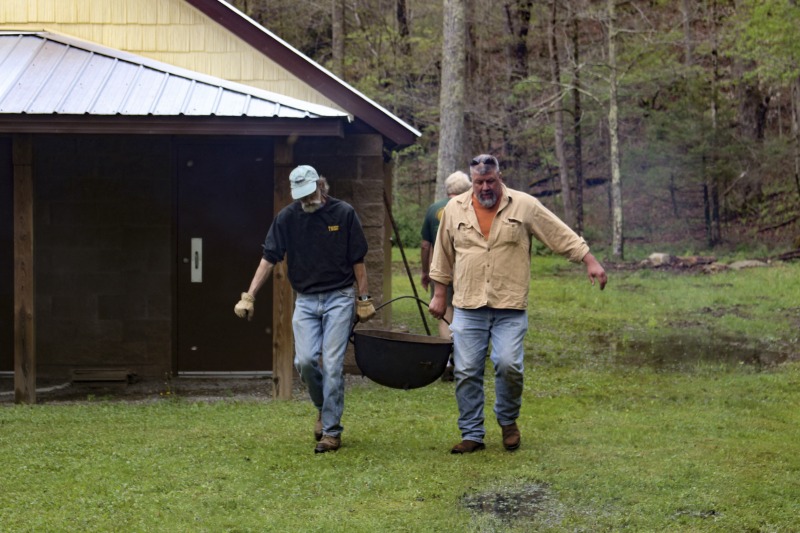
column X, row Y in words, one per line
column 197, row 262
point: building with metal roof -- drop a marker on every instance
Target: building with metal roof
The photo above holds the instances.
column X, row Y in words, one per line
column 144, row 147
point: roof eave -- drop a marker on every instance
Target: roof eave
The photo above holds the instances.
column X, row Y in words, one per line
column 163, row 125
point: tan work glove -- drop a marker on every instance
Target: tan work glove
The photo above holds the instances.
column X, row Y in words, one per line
column 246, row 306
column 365, row 310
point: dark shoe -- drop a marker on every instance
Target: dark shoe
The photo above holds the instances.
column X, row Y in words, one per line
column 511, row 437
column 448, row 374
column 318, row 427
column 328, row 443
column 467, row 446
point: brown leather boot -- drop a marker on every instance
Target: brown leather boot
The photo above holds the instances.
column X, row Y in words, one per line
column 328, row 443
column 467, row 446
column 318, row 427
column 511, row 436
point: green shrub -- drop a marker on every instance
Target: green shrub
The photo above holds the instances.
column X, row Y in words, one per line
column 408, row 217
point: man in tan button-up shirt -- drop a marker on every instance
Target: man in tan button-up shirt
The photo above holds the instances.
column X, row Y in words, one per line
column 484, row 248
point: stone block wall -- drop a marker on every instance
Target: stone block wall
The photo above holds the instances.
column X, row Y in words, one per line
column 354, row 168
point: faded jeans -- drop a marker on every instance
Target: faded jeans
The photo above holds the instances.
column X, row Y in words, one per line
column 473, row 330
column 322, row 324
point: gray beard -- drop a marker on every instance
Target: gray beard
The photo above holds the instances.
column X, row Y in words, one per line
column 488, row 202
column 311, row 206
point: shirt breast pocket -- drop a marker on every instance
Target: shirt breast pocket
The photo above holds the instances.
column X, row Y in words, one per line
column 510, row 231
column 466, row 235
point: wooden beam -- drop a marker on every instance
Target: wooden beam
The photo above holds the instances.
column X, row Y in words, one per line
column 282, row 296
column 153, row 125
column 24, row 316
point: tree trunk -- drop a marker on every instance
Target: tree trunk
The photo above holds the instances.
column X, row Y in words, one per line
column 617, row 240
column 402, row 27
column 687, row 34
column 577, row 117
column 795, row 101
column 558, row 118
column 713, row 174
column 796, row 131
column 753, row 106
column 518, row 19
column 451, row 97
column 337, row 37
column 707, row 211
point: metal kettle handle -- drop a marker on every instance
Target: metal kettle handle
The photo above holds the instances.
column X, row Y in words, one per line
column 384, row 304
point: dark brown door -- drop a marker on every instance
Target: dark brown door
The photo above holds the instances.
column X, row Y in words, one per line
column 225, row 194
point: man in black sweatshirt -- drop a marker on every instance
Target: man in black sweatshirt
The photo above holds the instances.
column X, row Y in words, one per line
column 324, row 246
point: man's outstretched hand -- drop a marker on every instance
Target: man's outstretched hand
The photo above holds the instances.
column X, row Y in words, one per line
column 595, row 271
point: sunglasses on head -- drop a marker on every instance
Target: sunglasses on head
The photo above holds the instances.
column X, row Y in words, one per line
column 483, row 160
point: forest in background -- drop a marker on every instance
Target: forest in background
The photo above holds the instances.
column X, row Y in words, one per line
column 670, row 122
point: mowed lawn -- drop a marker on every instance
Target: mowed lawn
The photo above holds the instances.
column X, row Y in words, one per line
column 668, row 402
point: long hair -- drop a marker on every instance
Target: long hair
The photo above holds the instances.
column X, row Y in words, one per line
column 322, row 185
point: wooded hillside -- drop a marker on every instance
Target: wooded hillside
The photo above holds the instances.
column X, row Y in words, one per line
column 664, row 120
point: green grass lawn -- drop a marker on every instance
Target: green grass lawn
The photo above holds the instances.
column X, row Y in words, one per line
column 648, row 407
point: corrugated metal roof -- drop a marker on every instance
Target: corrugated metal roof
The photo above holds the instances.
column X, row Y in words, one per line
column 43, row 73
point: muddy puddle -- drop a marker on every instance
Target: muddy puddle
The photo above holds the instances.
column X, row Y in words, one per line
column 510, row 504
column 684, row 351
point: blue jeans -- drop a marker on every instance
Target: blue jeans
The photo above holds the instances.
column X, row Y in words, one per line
column 322, row 324
column 473, row 329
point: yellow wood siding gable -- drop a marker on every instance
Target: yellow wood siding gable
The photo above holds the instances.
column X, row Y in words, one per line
column 171, row 31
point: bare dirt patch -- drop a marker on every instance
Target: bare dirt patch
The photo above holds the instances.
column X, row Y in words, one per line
column 511, row 504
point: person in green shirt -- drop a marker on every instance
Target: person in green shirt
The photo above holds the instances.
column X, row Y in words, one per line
column 455, row 184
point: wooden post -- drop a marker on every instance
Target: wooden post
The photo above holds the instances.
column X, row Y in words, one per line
column 24, row 316
column 282, row 338
column 282, row 297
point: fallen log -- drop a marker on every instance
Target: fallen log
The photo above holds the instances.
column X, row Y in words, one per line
column 788, row 256
column 778, row 225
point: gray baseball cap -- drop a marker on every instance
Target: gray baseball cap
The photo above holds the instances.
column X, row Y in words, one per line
column 304, row 181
